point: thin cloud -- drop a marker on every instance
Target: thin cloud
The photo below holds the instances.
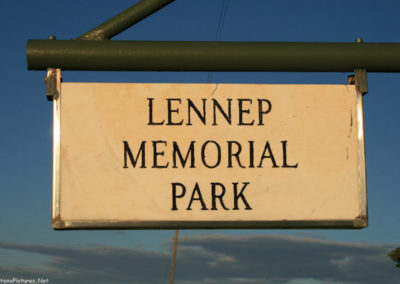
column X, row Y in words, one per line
column 216, row 259
column 282, row 259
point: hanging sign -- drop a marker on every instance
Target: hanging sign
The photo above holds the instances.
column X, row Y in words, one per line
column 208, row 156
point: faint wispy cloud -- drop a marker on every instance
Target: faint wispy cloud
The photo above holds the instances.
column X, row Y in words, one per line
column 216, row 259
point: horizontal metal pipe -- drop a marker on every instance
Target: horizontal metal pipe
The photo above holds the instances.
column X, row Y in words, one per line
column 125, row 19
column 212, row 56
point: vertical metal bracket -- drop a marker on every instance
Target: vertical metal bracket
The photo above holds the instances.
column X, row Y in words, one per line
column 53, row 83
column 361, row 80
column 360, row 77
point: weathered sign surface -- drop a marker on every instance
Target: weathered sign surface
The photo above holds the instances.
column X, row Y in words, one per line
column 208, row 156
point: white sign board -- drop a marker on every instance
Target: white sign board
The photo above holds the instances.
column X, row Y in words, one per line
column 208, row 156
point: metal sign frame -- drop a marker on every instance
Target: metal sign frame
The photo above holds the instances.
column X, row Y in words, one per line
column 59, row 223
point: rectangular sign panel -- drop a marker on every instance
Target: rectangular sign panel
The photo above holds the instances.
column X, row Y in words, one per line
column 208, row 156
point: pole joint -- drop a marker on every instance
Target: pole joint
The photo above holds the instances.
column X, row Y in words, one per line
column 361, row 80
column 125, row 19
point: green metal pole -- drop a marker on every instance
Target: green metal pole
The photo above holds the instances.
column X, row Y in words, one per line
column 125, row 19
column 212, row 56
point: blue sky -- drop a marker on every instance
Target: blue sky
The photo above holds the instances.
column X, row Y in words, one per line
column 30, row 248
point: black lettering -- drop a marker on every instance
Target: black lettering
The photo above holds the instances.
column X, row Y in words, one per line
column 241, row 111
column 156, row 154
column 202, row 116
column 267, row 148
column 251, row 154
column 172, row 110
column 219, row 196
column 240, row 195
column 197, row 191
column 151, row 113
column 203, row 154
column 285, row 164
column 128, row 152
column 177, row 152
column 228, row 117
column 261, row 111
column 236, row 154
column 175, row 196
